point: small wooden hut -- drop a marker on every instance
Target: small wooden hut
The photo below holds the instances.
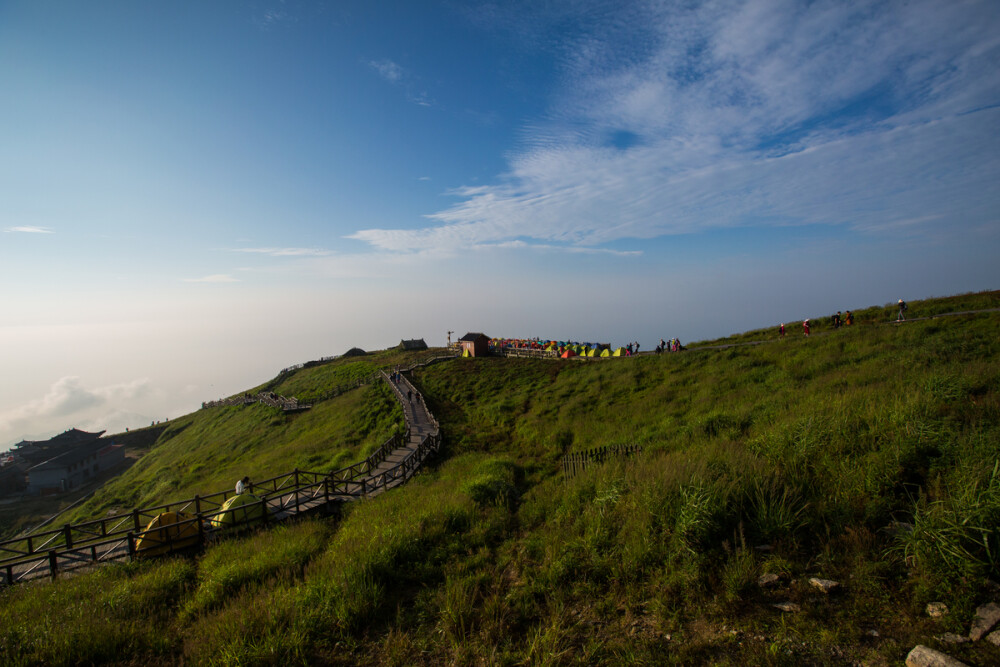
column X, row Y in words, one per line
column 476, row 344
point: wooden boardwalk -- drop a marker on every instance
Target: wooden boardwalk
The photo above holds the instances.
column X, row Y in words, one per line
column 84, row 545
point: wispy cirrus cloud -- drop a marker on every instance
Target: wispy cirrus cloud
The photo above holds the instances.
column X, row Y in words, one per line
column 29, row 230
column 395, row 74
column 214, row 278
column 747, row 113
column 387, row 69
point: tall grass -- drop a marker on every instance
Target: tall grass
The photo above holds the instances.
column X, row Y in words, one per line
column 867, row 455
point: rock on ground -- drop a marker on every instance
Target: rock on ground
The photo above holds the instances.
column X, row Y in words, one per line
column 986, row 617
column 922, row 656
column 937, row 609
column 768, row 580
column 825, row 585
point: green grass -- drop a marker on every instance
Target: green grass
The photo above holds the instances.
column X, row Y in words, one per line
column 208, row 450
column 867, row 455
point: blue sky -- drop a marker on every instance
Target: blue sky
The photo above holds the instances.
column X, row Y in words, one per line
column 194, row 195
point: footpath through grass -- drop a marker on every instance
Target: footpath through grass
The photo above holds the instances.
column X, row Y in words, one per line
column 868, row 456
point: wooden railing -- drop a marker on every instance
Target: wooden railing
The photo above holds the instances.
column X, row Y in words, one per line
column 289, row 494
column 577, row 462
column 267, row 398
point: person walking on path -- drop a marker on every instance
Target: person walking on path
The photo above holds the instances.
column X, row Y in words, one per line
column 409, row 395
column 902, row 311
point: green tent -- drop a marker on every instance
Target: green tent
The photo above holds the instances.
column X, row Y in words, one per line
column 593, row 353
column 605, row 352
column 238, row 510
column 620, row 352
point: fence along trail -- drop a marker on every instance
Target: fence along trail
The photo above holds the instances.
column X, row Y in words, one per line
column 299, row 492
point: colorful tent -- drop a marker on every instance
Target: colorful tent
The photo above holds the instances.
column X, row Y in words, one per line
column 568, row 353
column 620, row 352
column 605, row 352
column 168, row 531
column 241, row 509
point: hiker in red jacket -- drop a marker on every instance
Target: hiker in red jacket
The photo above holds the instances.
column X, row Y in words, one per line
column 805, row 327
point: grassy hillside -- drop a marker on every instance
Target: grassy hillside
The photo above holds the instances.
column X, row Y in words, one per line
column 866, row 455
column 209, row 450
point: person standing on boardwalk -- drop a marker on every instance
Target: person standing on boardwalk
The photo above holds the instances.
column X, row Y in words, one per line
column 242, row 485
column 902, row 311
column 409, row 395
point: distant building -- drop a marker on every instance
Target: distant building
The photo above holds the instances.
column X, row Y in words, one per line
column 11, row 478
column 415, row 344
column 66, row 461
column 476, row 344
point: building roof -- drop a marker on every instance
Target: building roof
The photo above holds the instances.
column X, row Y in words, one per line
column 415, row 344
column 472, row 337
column 67, row 458
column 73, row 440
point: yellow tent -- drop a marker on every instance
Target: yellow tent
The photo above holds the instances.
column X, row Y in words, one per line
column 465, row 353
column 620, row 352
column 238, row 510
column 168, row 531
column 605, row 352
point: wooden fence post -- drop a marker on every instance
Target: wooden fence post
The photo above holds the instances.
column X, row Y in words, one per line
column 296, row 492
column 53, row 563
column 68, row 535
column 200, row 519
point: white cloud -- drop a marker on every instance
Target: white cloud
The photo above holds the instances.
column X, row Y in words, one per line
column 875, row 117
column 387, row 69
column 214, row 278
column 67, row 403
column 29, row 230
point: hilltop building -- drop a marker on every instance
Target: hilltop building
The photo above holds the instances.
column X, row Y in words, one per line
column 12, row 478
column 475, row 344
column 413, row 345
column 66, row 461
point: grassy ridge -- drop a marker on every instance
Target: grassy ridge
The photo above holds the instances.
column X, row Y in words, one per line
column 210, row 449
column 868, row 456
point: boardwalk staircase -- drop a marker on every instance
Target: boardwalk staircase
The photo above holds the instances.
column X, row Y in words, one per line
column 297, row 493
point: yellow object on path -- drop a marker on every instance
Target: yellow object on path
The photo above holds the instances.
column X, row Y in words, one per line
column 238, row 510
column 168, row 531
